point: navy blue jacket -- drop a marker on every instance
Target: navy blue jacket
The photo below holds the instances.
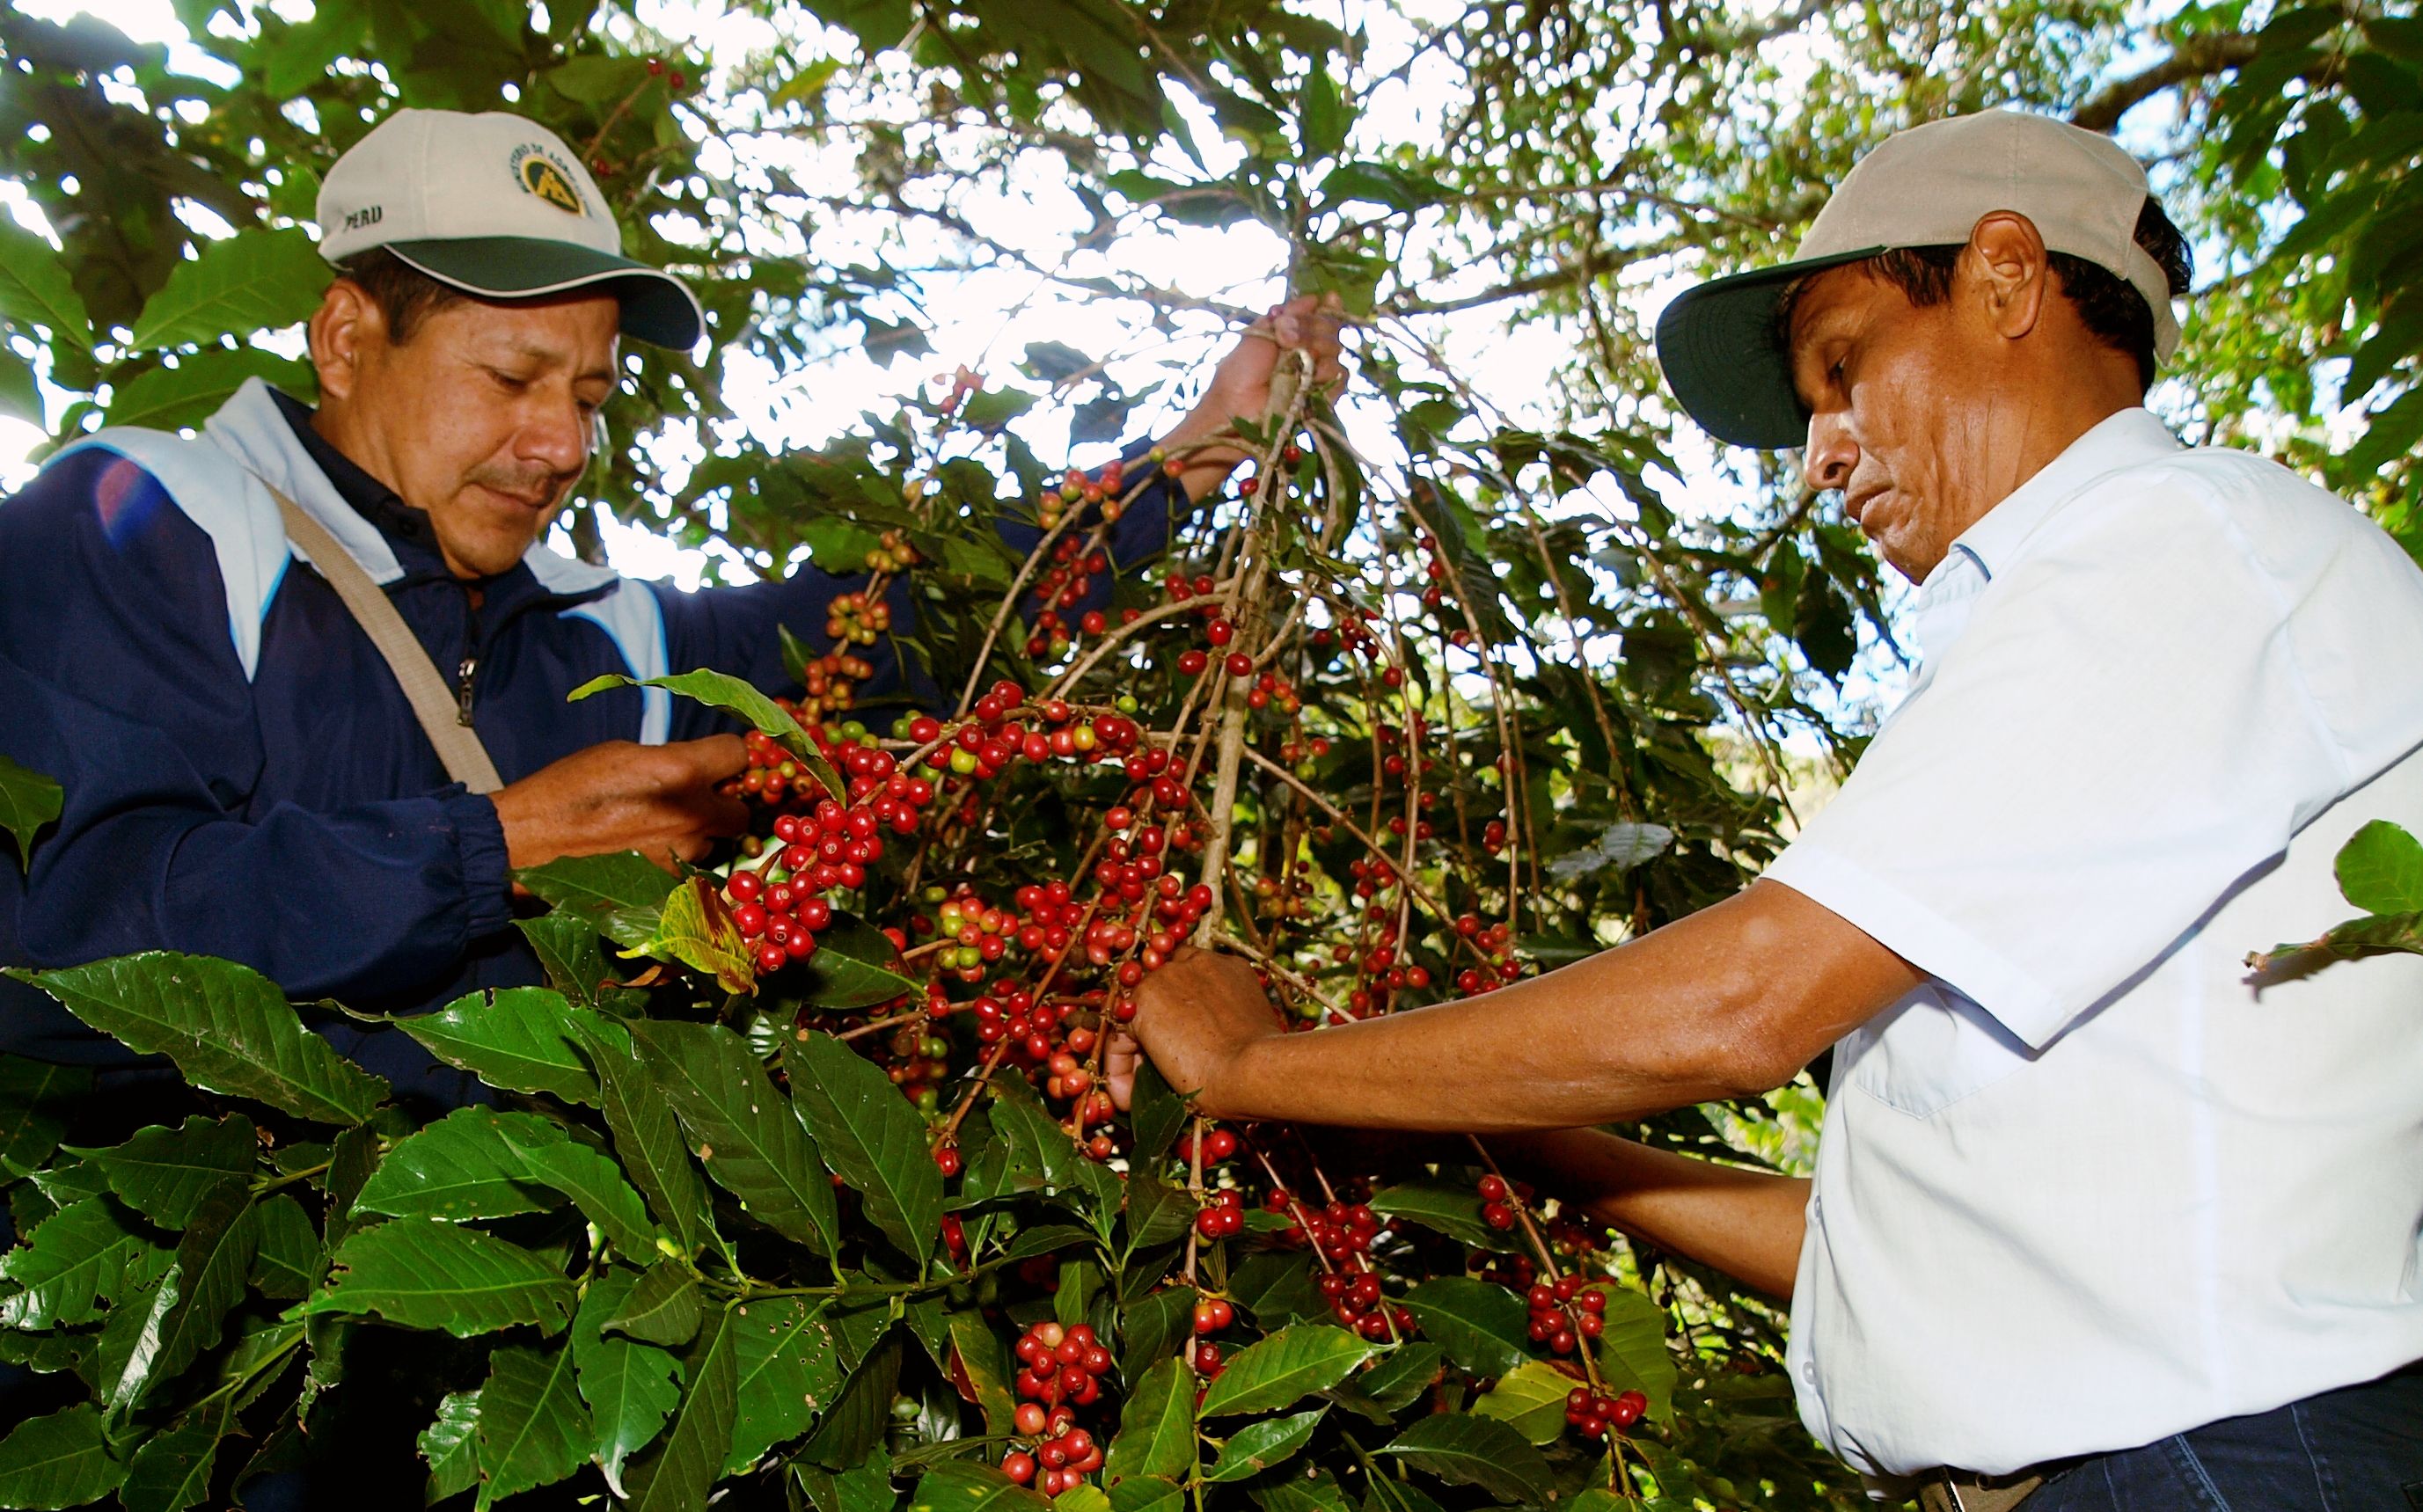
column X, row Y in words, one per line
column 245, row 778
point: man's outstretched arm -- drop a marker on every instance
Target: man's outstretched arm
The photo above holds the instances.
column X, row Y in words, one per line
column 1730, row 1002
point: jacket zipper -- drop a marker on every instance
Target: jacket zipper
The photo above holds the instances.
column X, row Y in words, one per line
column 463, row 687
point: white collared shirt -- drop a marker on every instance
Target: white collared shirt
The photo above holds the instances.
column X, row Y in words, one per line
column 2091, row 1187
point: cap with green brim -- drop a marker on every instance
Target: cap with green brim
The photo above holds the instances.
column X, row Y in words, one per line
column 657, row 307
column 498, row 206
column 1726, row 360
column 1728, row 364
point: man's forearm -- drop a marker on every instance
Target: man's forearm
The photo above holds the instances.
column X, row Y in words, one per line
column 1747, row 1223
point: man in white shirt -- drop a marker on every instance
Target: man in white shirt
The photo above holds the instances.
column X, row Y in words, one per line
column 2099, row 1221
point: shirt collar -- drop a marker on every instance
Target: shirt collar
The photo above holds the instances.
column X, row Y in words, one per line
column 2122, row 440
column 372, row 500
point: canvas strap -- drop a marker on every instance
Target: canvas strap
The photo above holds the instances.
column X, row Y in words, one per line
column 449, row 730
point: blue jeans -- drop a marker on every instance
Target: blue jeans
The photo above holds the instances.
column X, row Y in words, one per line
column 2359, row 1449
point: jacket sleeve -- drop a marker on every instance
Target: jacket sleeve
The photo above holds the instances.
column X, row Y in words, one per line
column 735, row 629
column 114, row 622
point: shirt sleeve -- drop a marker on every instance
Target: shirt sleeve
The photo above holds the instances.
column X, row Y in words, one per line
column 2121, row 733
column 739, row 630
column 127, row 691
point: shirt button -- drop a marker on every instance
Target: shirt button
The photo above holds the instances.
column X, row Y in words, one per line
column 1817, row 1209
column 1809, row 1371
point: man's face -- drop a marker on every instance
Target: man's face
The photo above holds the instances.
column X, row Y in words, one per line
column 485, row 418
column 1898, row 403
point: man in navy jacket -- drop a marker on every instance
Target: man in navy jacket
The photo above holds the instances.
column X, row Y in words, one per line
column 244, row 776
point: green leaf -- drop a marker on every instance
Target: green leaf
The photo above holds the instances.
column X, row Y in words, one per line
column 1325, row 114
column 566, row 945
column 1258, row 1446
column 130, row 1343
column 58, row 1461
column 1530, row 1399
column 172, row 1471
column 2380, row 868
column 1040, row 1149
column 718, row 690
column 522, row 1039
column 1482, row 1327
column 649, row 1144
column 1081, row 1497
column 285, row 1258
column 1156, row 1433
column 37, row 1099
column 28, row 800
column 550, row 1157
column 1401, row 1374
column 1318, row 1492
column 425, row 1275
column 212, row 1262
column 621, row 896
column 81, row 1260
column 1632, row 1350
column 228, row 1028
column 863, row 1488
column 21, row 395
column 986, row 1365
column 661, row 1307
column 164, row 1173
column 1475, row 1451
column 450, row 1444
column 787, row 1372
column 697, row 929
column 170, row 399
column 676, row 1476
column 963, row 1485
column 854, row 1426
column 35, row 289
column 1154, row 1325
column 871, row 1136
column 533, row 1428
column 631, row 1388
column 856, row 966
column 1281, row 1369
column 1156, row 1115
column 1146, row 1493
column 1446, row 1207
column 254, row 280
column 741, row 1130
column 458, row 1168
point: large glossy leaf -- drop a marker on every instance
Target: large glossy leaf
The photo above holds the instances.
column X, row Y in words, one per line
column 58, row 1461
column 426, row 1275
column 1530, row 1399
column 855, row 1423
column 35, row 289
column 1632, row 1349
column 170, row 399
column 285, row 1259
column 1156, row 1114
column 1482, row 1327
column 164, row 1173
column 80, row 1260
column 28, row 800
column 1156, row 1433
column 523, row 1039
column 677, row 1474
column 856, row 966
column 533, row 1428
column 576, row 964
column 451, row 1446
column 37, row 1099
column 631, row 1388
column 130, row 1343
column 2380, row 868
column 1401, row 1374
column 661, row 1308
column 460, row 1167
column 697, row 929
column 787, row 1372
column 1146, row 1493
column 214, row 1260
column 621, row 896
column 871, row 1137
column 1474, row 1451
column 228, row 1028
column 1284, row 1368
column 251, row 281
column 1258, row 1446
column 1447, row 1207
column 591, row 1179
column 741, row 1130
column 649, row 1143
column 718, row 690
column 1317, row 1492
column 962, row 1486
column 172, row 1471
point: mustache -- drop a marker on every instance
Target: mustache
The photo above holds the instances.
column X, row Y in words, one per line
column 541, row 483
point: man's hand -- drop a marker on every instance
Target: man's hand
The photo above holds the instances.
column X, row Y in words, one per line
column 1241, row 387
column 658, row 800
column 1197, row 1016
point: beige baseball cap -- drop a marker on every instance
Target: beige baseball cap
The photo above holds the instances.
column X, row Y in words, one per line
column 1927, row 186
column 496, row 205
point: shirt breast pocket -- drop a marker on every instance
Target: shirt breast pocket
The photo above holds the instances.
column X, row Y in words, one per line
column 1929, row 1050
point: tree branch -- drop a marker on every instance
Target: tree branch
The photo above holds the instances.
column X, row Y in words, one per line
column 2194, row 57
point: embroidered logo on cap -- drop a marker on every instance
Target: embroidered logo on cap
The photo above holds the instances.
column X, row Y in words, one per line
column 536, row 171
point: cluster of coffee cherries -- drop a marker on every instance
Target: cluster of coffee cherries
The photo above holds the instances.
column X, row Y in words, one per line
column 1356, row 1301
column 1064, row 584
column 891, row 553
column 1595, row 1414
column 1099, row 489
column 1059, row 1364
column 1048, row 1046
column 1223, row 1217
column 1498, row 1200
column 1435, row 570
column 1218, row 1145
column 831, row 682
column 1063, row 1454
column 957, row 385
column 1350, row 630
column 779, row 920
column 1495, row 944
column 856, row 619
column 1563, row 1311
column 1341, row 1231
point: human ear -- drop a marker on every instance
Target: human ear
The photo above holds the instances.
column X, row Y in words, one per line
column 342, row 331
column 2009, row 273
